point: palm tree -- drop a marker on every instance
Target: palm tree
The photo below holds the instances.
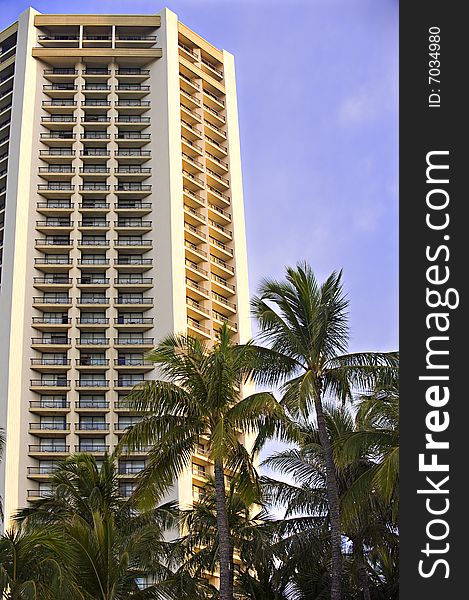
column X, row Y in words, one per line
column 307, row 323
column 250, row 531
column 368, row 526
column 113, row 545
column 35, row 564
column 377, row 437
column 200, row 396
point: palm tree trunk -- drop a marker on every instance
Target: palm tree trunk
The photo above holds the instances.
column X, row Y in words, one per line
column 224, row 541
column 359, row 560
column 333, row 501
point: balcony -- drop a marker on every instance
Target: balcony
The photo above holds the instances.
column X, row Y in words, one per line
column 96, row 342
column 55, row 189
column 134, row 122
column 54, row 263
column 95, row 105
column 57, row 384
column 96, row 90
column 47, row 302
column 93, row 300
column 188, row 84
column 92, row 282
column 132, row 107
column 194, row 235
column 59, row 106
column 134, row 225
column 137, row 304
column 58, row 122
column 92, row 243
column 94, row 205
column 128, row 342
column 52, row 406
column 91, row 406
column 132, row 156
column 58, row 138
column 46, row 450
column 49, row 429
column 98, row 138
column 89, row 362
column 50, row 226
column 51, row 323
column 126, row 384
column 51, row 282
column 223, row 304
column 132, row 139
column 140, row 283
column 132, row 74
column 132, row 207
column 92, row 448
column 57, row 172
column 220, row 232
column 90, row 223
column 91, row 428
column 132, row 190
column 94, row 172
column 59, row 41
column 132, row 90
column 199, row 291
column 93, row 262
column 133, row 264
column 130, row 364
column 91, row 384
column 219, row 248
column 57, row 155
column 41, row 472
column 132, row 172
column 130, row 245
column 135, row 41
column 60, row 90
column 49, row 344
column 196, row 328
column 87, row 322
column 93, row 189
column 222, row 283
column 95, row 154
column 50, row 364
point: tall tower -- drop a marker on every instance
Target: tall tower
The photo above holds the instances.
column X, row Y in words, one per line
column 121, row 220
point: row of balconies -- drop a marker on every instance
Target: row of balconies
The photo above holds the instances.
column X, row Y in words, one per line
column 55, row 186
column 93, row 204
column 92, row 242
column 133, row 155
column 94, row 341
column 86, row 261
column 92, row 281
column 89, row 362
column 104, row 301
column 80, row 384
column 94, row 136
column 95, row 170
column 91, row 103
column 94, row 71
column 60, row 403
column 95, row 222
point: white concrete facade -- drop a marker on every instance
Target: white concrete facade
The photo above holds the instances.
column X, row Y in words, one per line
column 123, row 222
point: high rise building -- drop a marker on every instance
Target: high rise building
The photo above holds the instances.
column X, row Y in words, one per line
column 121, row 220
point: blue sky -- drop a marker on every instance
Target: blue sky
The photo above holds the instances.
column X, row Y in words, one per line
column 318, row 94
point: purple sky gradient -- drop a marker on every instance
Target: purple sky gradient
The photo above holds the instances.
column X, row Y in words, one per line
column 318, row 96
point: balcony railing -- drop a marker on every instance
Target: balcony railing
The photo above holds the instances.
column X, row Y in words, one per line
column 136, row 301
column 96, row 426
column 93, row 300
column 51, row 300
column 50, row 426
column 92, row 404
column 52, row 362
column 92, row 320
column 57, row 341
column 92, row 382
column 92, row 362
column 92, row 341
column 49, row 448
column 91, row 448
column 123, row 261
column 133, row 281
column 122, row 341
